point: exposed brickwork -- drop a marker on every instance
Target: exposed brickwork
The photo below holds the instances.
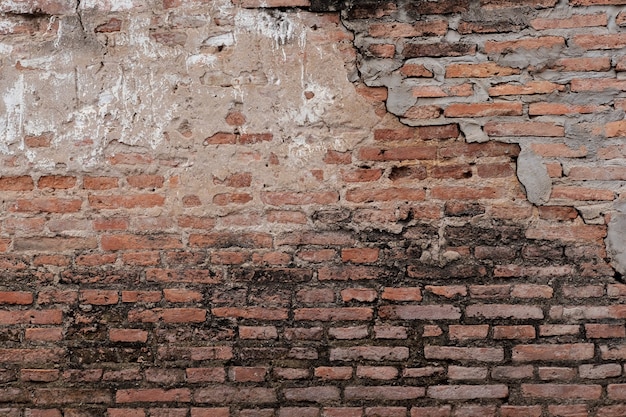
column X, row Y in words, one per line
column 312, row 208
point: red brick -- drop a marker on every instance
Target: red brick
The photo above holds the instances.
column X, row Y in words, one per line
column 532, row 291
column 228, row 395
column 371, row 353
column 542, row 129
column 71, row 395
column 48, row 205
column 141, row 296
column 415, row 70
column 373, row 94
column 594, row 42
column 22, row 183
column 448, row 291
column 361, row 175
column 467, row 392
column 255, row 313
column 558, row 329
column 168, row 315
column 419, row 312
column 482, row 70
column 333, row 314
column 597, row 84
column 559, row 109
column 342, row 412
column 100, row 183
column 348, row 333
column 215, row 374
column 402, row 294
column 377, row 372
column 464, row 353
column 512, row 372
column 433, row 91
column 111, row 202
column 362, row 195
column 562, row 391
column 16, row 297
column 608, row 370
column 99, row 297
column 441, row 49
column 333, row 372
column 128, row 335
column 398, row 154
column 442, row 411
column 210, row 412
column 467, row 373
column 483, row 109
column 47, row 334
column 39, row 375
column 314, row 394
column 560, row 352
column 574, row 410
column 359, row 255
column 153, row 395
column 406, row 30
column 247, row 374
column 467, row 332
column 383, row 393
column 382, row 50
column 56, row 182
column 499, row 47
column 493, row 311
column 385, row 412
column 576, row 21
column 358, row 294
column 600, row 331
column 13, row 317
column 139, row 242
column 514, row 332
column 295, row 198
column 567, row 233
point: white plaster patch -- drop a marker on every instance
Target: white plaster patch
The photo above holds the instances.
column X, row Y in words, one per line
column 311, row 110
column 300, row 151
column 201, row 59
column 277, row 26
column 225, row 39
column 12, row 122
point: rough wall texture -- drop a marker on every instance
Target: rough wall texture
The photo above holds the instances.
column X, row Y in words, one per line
column 337, row 209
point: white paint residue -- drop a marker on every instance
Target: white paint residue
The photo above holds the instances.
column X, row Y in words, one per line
column 5, row 49
column 201, row 59
column 225, row 39
column 311, row 110
column 278, row 26
column 11, row 124
column 114, row 6
column 300, row 151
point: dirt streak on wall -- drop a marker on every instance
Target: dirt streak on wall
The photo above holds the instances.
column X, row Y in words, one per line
column 317, row 209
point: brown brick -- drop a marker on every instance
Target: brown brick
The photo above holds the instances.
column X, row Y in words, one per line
column 560, row 352
column 468, row 332
column 464, row 353
column 467, row 392
column 383, row 393
column 562, row 391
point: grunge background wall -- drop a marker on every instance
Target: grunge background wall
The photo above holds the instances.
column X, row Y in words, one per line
column 330, row 209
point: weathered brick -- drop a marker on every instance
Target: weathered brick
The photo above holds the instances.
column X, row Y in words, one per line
column 373, row 353
column 562, row 391
column 467, row 392
column 564, row 352
column 464, row 353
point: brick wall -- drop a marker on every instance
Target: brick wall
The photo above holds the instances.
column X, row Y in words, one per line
column 316, row 209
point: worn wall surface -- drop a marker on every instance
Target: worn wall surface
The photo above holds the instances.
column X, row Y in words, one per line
column 332, row 209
